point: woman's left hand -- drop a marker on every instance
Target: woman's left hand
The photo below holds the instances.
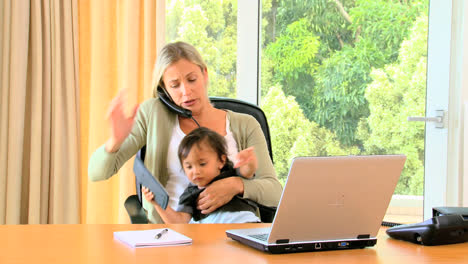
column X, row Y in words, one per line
column 219, row 193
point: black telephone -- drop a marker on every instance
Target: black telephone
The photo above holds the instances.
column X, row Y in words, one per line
column 438, row 230
column 169, row 103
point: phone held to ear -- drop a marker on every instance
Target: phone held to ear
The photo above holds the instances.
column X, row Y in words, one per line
column 167, row 101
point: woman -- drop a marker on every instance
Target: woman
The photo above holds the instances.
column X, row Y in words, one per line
column 183, row 75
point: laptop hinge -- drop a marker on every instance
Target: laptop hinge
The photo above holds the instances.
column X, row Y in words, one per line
column 282, row 241
column 363, row 236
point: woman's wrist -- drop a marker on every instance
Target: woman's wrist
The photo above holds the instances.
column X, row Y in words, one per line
column 239, row 186
column 111, row 145
column 247, row 173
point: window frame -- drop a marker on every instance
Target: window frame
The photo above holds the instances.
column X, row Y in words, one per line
column 248, row 58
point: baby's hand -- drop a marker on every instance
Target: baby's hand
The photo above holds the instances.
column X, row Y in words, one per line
column 148, row 195
column 247, row 162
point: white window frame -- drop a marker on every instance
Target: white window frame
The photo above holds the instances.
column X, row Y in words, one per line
column 444, row 181
column 248, row 50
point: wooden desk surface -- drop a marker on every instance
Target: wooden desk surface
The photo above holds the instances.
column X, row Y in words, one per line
column 95, row 244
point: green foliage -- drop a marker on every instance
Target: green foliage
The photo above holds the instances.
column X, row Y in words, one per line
column 211, row 26
column 312, row 26
column 339, row 96
column 299, row 45
column 324, row 17
column 385, row 23
column 293, row 135
column 344, row 41
column 293, row 55
column 286, row 121
column 380, row 27
column 396, row 92
column 266, row 75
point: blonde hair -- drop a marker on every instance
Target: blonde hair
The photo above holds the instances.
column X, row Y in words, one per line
column 170, row 54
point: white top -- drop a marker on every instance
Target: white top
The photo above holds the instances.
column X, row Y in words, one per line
column 228, row 218
column 178, row 181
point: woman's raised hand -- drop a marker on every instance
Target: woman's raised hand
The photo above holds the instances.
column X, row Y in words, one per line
column 120, row 123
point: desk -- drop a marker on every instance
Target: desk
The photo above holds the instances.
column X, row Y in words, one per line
column 95, row 244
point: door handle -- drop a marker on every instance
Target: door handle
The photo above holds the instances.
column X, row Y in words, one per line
column 439, row 119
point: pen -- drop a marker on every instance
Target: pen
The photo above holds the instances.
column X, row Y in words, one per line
column 159, row 235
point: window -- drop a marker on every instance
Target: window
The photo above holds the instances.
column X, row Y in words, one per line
column 341, row 77
column 337, row 77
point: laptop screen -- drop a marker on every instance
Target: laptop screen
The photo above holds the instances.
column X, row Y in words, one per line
column 341, row 197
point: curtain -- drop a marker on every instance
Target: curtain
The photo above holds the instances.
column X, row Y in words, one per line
column 39, row 173
column 118, row 45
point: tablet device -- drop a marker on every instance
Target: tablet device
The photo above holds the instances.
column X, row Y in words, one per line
column 145, row 178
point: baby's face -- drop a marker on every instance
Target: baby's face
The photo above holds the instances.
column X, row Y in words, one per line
column 202, row 165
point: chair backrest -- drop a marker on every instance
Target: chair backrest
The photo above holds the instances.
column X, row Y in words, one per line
column 236, row 106
column 245, row 108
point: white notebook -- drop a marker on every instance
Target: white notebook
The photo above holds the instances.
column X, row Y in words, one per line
column 149, row 238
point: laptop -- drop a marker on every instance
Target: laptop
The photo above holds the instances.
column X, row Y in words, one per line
column 329, row 203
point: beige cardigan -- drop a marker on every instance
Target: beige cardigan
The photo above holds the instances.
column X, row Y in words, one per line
column 153, row 128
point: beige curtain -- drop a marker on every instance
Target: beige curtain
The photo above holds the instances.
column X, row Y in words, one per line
column 117, row 51
column 39, row 173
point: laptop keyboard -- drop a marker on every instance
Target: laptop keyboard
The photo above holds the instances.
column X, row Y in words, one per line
column 262, row 237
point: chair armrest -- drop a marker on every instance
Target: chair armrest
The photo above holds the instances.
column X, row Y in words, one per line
column 135, row 211
column 267, row 213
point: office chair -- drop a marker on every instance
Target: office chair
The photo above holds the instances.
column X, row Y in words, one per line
column 245, row 108
column 133, row 203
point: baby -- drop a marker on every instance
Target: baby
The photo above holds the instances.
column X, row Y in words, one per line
column 203, row 156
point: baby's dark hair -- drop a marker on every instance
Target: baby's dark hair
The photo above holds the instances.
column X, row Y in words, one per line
column 199, row 135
